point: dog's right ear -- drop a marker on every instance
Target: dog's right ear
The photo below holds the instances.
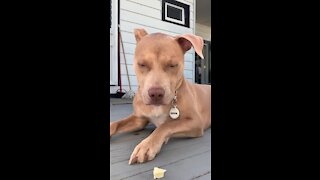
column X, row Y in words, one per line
column 139, row 33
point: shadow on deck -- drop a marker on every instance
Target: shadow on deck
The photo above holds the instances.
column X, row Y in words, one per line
column 182, row 158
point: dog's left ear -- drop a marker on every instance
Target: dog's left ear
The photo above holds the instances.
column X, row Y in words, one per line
column 186, row 41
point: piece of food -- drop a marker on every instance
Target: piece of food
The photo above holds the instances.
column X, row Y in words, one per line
column 158, row 173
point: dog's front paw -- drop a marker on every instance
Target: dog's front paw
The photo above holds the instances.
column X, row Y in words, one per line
column 145, row 151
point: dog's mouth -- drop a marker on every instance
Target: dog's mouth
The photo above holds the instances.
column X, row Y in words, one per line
column 156, row 103
column 160, row 102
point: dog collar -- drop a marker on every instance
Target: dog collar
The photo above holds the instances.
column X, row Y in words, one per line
column 180, row 83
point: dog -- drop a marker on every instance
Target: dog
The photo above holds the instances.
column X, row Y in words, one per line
column 164, row 97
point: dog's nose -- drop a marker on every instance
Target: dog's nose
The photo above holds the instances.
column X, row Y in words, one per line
column 156, row 93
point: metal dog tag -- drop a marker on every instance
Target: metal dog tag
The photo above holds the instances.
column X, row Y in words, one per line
column 174, row 113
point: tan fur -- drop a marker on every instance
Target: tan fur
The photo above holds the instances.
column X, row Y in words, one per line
column 159, row 62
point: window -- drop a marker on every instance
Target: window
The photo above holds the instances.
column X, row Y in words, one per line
column 176, row 12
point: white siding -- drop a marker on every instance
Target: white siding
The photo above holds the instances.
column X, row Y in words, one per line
column 147, row 14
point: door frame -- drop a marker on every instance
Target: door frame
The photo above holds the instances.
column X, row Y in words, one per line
column 204, row 64
column 114, row 43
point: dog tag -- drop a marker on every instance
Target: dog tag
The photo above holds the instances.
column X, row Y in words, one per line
column 174, row 113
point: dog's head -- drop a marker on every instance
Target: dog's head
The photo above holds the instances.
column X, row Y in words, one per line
column 159, row 64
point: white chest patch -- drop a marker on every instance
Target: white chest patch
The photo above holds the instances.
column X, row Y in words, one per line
column 158, row 116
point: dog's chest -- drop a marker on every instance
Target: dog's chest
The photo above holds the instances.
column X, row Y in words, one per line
column 157, row 116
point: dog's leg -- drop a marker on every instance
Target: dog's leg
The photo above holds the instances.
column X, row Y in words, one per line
column 150, row 147
column 129, row 124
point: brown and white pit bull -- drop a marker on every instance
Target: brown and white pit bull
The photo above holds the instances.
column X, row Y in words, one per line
column 159, row 65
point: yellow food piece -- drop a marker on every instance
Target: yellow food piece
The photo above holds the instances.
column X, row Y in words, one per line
column 158, row 173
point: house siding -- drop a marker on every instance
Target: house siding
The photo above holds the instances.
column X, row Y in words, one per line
column 147, row 14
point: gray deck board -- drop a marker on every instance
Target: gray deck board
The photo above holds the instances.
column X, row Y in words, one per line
column 187, row 158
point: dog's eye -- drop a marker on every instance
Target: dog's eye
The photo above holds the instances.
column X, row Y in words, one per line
column 141, row 65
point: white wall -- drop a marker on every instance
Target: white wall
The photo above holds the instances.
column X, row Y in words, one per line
column 147, row 14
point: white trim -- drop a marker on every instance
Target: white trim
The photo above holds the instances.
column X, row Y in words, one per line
column 114, row 44
column 194, row 32
column 166, row 4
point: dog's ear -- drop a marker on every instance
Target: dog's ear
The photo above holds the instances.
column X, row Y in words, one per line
column 188, row 40
column 139, row 33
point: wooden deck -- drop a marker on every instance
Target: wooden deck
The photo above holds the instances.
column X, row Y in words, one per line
column 183, row 159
